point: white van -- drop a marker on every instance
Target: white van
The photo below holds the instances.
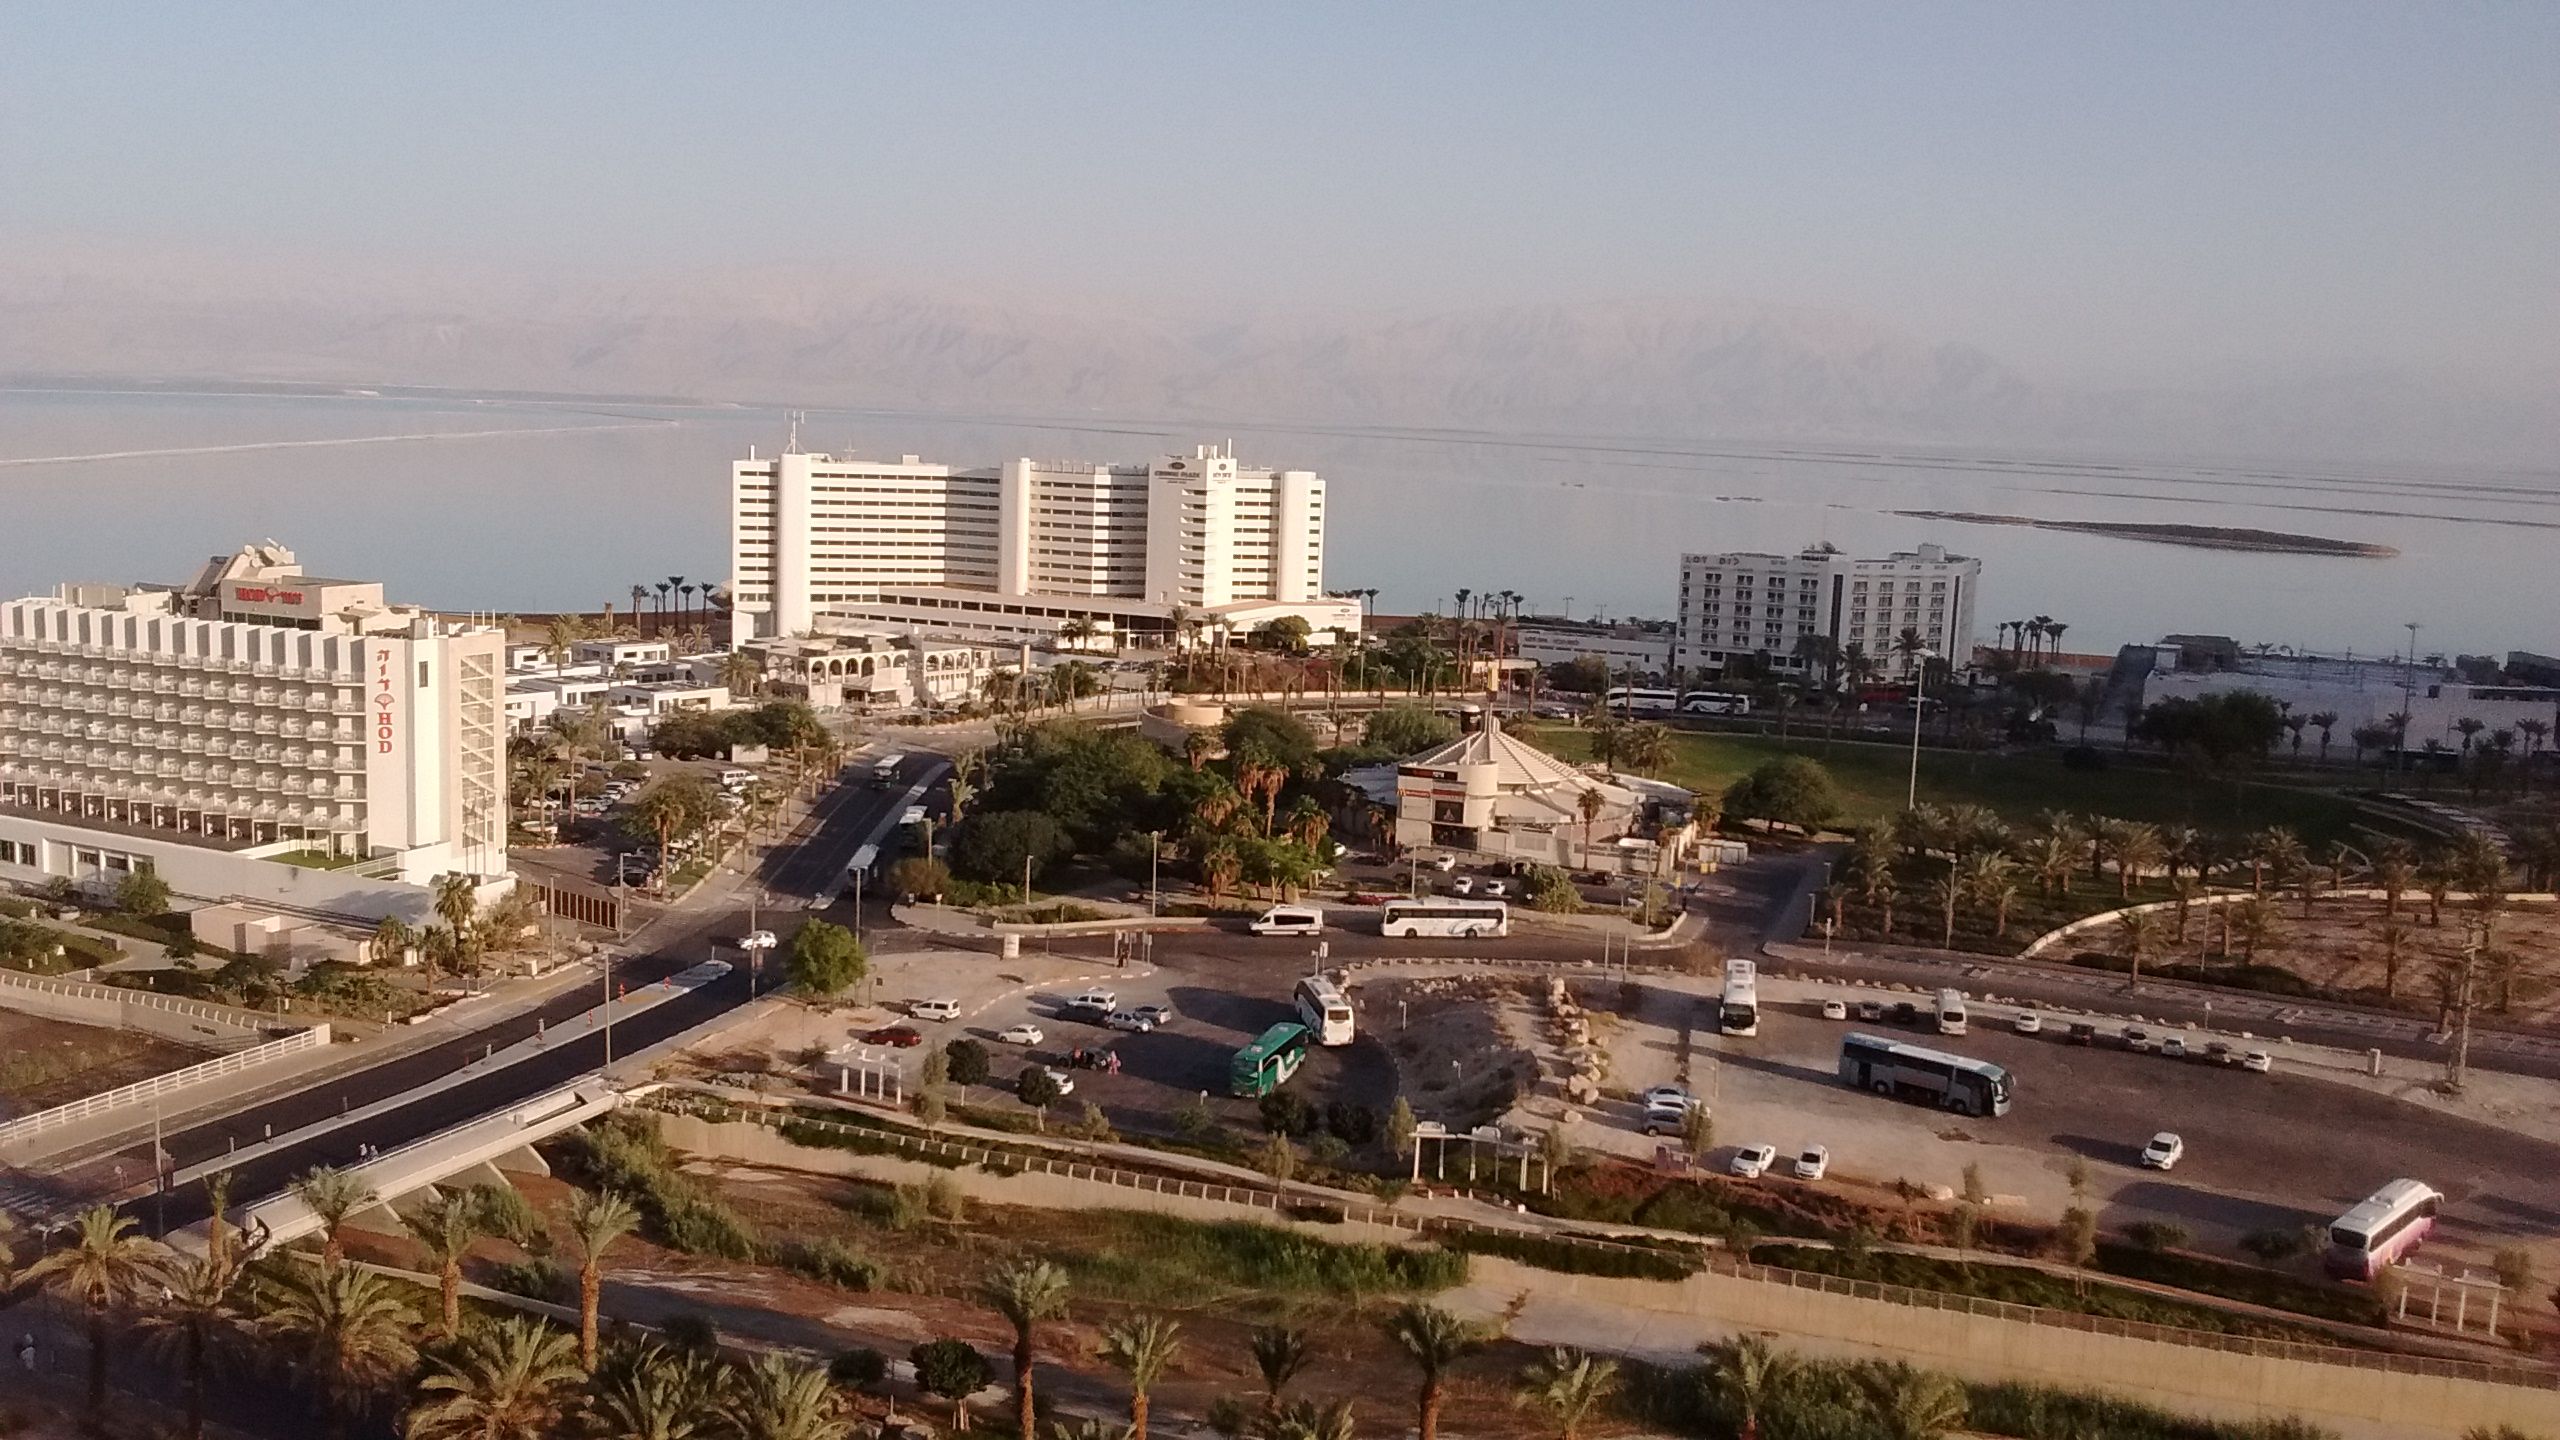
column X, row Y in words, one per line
column 736, row 779
column 1951, row 1015
column 1288, row 920
column 1099, row 1002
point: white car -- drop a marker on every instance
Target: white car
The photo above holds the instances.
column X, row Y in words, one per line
column 1665, row 1120
column 1814, row 1162
column 1753, row 1161
column 1444, row 863
column 2174, row 1047
column 2164, row 1152
column 757, row 940
column 938, row 1008
column 2137, row 1039
column 1668, row 1097
column 1463, row 885
column 2258, row 1061
column 1024, row 1034
column 1496, row 889
column 1065, row 1082
column 1835, row 1009
column 1129, row 1020
column 2028, row 1023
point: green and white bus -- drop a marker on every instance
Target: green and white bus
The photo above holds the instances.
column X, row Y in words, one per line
column 1267, row 1063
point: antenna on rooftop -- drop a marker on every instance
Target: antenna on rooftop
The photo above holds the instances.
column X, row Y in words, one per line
column 791, row 445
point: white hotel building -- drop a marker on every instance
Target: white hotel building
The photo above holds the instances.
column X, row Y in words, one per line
column 1740, row 605
column 1015, row 552
column 208, row 729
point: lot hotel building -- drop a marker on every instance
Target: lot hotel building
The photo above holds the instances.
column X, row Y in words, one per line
column 1740, row 605
column 212, row 728
column 1016, row 552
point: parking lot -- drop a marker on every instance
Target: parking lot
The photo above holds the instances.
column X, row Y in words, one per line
column 2268, row 1151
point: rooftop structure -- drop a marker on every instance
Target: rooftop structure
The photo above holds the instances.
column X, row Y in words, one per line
column 1490, row 794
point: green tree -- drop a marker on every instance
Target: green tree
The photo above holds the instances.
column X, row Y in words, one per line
column 648, row 1392
column 507, row 1381
column 198, row 1315
column 992, row 845
column 968, row 1062
column 921, row 876
column 826, row 960
column 1035, row 1087
column 1265, row 736
column 1025, row 1293
column 142, row 892
column 953, row 1370
column 1143, row 1347
column 1791, row 790
column 1749, row 1376
column 597, row 1219
column 1567, row 1385
column 1407, row 729
column 102, row 1269
column 1434, row 1340
column 344, row 1332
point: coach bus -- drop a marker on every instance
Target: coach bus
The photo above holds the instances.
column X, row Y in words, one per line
column 884, row 773
column 2381, row 1230
column 1642, row 702
column 1739, row 1012
column 1324, row 1009
column 1445, row 917
column 1956, row 1082
column 1715, row 702
column 1267, row 1063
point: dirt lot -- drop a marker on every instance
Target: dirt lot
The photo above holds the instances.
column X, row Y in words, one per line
column 2339, row 947
column 44, row 1063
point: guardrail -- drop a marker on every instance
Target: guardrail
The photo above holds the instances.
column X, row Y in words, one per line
column 1283, row 1206
column 158, row 1085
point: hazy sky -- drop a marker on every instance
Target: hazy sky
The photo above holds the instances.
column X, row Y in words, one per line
column 2090, row 191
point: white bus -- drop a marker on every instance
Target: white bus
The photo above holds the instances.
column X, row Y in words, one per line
column 1958, row 1082
column 1325, row 1010
column 1739, row 1014
column 1642, row 702
column 2381, row 1230
column 1951, row 1016
column 1442, row 916
column 884, row 772
column 1715, row 702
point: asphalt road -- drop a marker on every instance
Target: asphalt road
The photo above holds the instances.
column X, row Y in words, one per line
column 809, row 863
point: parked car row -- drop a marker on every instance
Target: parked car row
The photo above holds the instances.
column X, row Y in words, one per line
column 2076, row 1032
column 1753, row 1161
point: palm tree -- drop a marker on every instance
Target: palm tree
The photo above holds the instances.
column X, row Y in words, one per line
column 2394, row 937
column 779, row 1399
column 447, row 1227
column 2138, row 933
column 1279, row 1352
column 2138, row 848
column 457, row 900
column 345, row 1331
column 391, row 939
column 741, row 672
column 597, row 1219
column 1308, row 1420
column 504, row 1382
column 1025, row 1293
column 1749, row 1375
column 1568, row 1385
column 199, row 1310
column 1434, row 1340
column 651, row 1393
column 1910, row 647
column 1947, row 892
column 103, row 1268
column 1144, row 1347
column 1908, row 1403
column 2324, row 721
column 332, row 1195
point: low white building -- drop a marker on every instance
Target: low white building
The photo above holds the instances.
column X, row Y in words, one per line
column 1640, row 645
column 2358, row 692
column 1494, row 797
column 877, row 666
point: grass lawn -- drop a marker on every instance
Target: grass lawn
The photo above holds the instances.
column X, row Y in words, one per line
column 1872, row 779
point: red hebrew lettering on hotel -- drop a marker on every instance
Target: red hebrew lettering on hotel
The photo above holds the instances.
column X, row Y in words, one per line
column 382, row 700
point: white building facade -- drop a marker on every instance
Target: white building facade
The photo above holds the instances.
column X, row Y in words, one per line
column 1741, row 605
column 1120, row 547
column 203, row 729
column 1644, row 647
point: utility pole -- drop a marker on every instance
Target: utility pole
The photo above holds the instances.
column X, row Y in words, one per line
column 2408, row 692
column 1919, row 685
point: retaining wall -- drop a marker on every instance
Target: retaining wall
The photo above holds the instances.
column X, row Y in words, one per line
column 1988, row 1346
column 2206, row 902
column 176, row 1082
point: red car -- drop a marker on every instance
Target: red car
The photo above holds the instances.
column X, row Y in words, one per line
column 898, row 1036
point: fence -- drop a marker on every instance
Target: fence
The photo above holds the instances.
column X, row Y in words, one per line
column 159, row 1085
column 585, row 907
column 1282, row 1206
column 78, row 1001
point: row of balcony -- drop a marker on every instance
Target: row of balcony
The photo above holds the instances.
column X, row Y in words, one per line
column 19, row 648
column 232, row 778
column 25, row 680
column 225, row 728
column 105, row 757
column 184, row 814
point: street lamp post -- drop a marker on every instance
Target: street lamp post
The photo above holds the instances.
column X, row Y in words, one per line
column 1919, row 688
column 1155, row 858
column 2408, row 691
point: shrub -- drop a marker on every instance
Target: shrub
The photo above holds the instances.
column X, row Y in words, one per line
column 832, row 1261
column 1034, row 1088
column 2272, row 1247
column 532, row 1279
column 993, row 844
column 1567, row 1258
column 1327, row 1151
column 2156, row 1235
column 920, row 875
column 826, row 960
column 505, row 1213
column 1353, row 1125
column 944, row 1200
column 1142, row 1256
column 1286, row 1113
column 2247, row 1283
column 952, row 1369
column 691, row 1332
column 1277, row 1158
column 859, row 1368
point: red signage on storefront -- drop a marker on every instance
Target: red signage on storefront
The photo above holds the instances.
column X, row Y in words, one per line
column 261, row 595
